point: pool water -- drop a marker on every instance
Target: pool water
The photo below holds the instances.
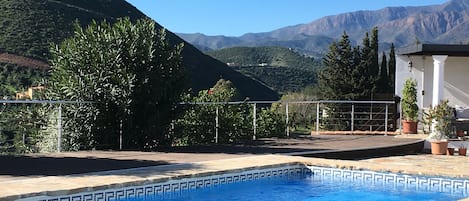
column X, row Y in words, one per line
column 301, row 188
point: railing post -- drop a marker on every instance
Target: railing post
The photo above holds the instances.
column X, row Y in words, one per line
column 120, row 135
column 400, row 118
column 59, row 128
column 287, row 121
column 371, row 116
column 352, row 118
column 254, row 122
column 216, row 125
column 317, row 118
column 386, row 121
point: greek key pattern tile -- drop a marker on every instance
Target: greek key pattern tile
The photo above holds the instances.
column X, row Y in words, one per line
column 411, row 182
column 179, row 185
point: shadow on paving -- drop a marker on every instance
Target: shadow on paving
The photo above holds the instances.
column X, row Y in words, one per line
column 53, row 166
column 260, row 146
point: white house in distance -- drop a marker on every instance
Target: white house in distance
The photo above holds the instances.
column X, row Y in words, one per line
column 441, row 71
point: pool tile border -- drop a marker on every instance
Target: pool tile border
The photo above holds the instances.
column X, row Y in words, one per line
column 411, row 182
column 209, row 179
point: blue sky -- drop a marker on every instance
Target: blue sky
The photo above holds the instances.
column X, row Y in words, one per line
column 237, row 17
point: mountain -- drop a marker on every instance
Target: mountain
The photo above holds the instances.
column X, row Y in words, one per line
column 281, row 68
column 445, row 23
column 27, row 27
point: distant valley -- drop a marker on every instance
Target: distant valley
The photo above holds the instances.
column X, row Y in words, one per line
column 283, row 69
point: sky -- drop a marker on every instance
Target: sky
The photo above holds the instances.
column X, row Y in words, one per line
column 237, row 17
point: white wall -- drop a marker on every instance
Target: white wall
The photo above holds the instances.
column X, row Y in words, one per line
column 456, row 88
column 457, row 80
column 403, row 73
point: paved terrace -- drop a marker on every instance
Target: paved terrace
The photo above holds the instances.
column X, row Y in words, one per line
column 31, row 174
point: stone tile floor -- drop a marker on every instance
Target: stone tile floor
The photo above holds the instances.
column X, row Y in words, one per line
column 184, row 164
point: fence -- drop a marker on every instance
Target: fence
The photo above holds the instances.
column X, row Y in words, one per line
column 23, row 119
column 350, row 116
column 17, row 119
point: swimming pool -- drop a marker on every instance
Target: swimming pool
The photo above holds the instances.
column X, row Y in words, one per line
column 292, row 182
column 308, row 187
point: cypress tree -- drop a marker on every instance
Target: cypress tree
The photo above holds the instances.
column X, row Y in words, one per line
column 383, row 81
column 363, row 83
column 392, row 69
column 374, row 67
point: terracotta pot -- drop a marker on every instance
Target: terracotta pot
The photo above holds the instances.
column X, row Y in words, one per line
column 409, row 127
column 460, row 133
column 439, row 147
column 462, row 151
column 450, row 151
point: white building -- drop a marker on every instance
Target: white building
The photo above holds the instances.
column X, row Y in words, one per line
column 441, row 71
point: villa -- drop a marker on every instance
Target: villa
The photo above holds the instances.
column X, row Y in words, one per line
column 440, row 70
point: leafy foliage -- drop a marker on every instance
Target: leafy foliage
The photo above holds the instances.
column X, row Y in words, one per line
column 353, row 73
column 197, row 124
column 301, row 116
column 392, row 69
column 14, row 78
column 442, row 115
column 409, row 100
column 335, row 80
column 271, row 122
column 23, row 129
column 130, row 73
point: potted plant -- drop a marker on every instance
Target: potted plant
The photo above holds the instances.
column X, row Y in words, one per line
column 409, row 106
column 462, row 150
column 441, row 116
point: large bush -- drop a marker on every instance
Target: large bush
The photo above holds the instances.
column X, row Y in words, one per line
column 197, row 125
column 129, row 73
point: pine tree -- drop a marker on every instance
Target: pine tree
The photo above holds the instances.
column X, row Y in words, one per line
column 392, row 69
column 335, row 79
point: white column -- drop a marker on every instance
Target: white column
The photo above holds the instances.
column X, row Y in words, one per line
column 438, row 78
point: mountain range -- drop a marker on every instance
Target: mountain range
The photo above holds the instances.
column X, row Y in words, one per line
column 28, row 27
column 445, row 23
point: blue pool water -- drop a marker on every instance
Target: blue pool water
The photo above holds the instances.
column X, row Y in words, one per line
column 301, row 188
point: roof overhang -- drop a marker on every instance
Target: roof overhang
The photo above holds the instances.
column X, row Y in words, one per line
column 435, row 49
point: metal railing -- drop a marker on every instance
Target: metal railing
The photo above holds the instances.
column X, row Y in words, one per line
column 13, row 112
column 319, row 116
column 375, row 115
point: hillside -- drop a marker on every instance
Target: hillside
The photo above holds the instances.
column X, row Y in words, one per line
column 445, row 23
column 280, row 68
column 28, row 27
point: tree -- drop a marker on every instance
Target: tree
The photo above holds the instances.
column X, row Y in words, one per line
column 197, row 124
column 334, row 79
column 392, row 69
column 129, row 72
column 362, row 81
column 382, row 84
column 373, row 56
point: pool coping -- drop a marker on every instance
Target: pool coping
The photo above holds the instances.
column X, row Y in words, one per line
column 71, row 184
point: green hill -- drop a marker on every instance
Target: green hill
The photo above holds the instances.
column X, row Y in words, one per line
column 28, row 27
column 280, row 68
